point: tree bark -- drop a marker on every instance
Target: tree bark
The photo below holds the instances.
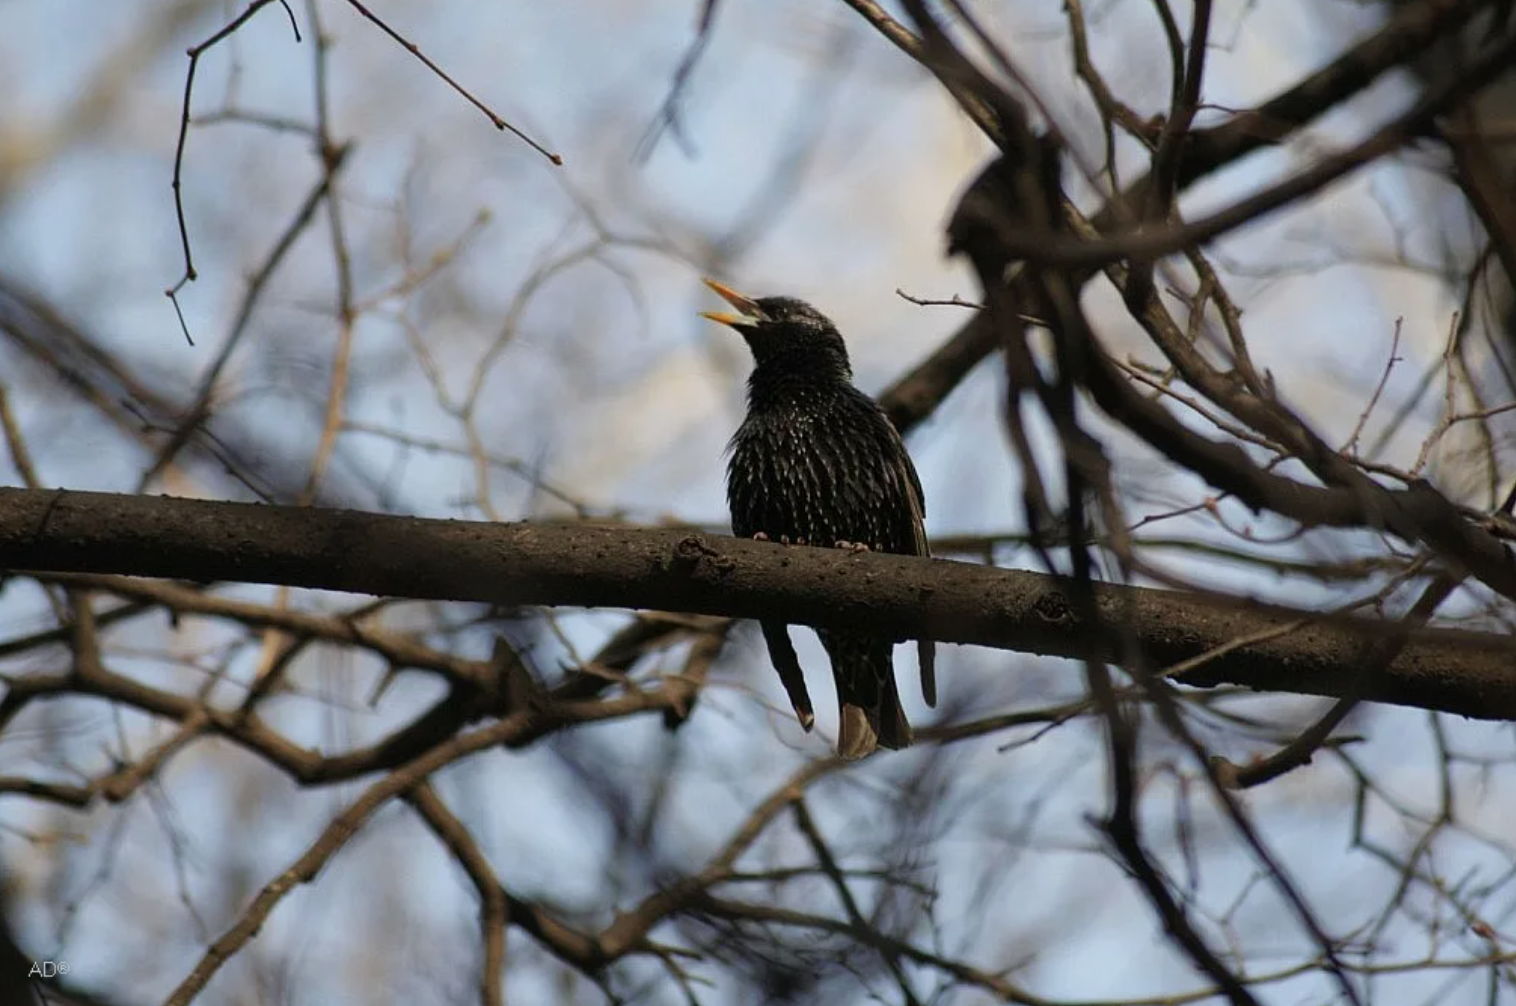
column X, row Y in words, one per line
column 588, row 565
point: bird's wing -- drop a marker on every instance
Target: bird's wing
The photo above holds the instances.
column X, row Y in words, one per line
column 926, row 649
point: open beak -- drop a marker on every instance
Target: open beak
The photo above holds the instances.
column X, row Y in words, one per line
column 749, row 313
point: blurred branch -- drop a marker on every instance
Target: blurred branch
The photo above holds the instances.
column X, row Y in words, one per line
column 914, row 396
column 334, row 838
column 395, row 649
column 981, row 114
column 78, row 360
column 1406, row 35
column 1479, row 174
column 668, row 113
column 1056, row 249
column 493, row 911
column 96, row 101
column 1202, row 152
column 200, row 411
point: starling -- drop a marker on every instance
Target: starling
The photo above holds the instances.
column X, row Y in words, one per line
column 817, row 462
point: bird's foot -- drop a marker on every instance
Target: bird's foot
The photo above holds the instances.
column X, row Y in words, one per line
column 784, row 539
column 853, row 546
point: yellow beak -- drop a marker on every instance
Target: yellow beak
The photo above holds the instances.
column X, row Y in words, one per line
column 750, row 311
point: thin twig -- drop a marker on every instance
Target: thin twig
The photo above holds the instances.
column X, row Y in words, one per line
column 489, row 113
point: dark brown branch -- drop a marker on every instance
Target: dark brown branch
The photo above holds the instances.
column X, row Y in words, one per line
column 986, row 226
column 1407, row 34
column 489, row 113
column 195, row 52
column 1203, row 151
column 585, row 565
column 912, row 398
column 1376, row 653
column 1053, row 249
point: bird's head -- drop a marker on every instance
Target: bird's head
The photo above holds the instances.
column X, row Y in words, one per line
column 783, row 331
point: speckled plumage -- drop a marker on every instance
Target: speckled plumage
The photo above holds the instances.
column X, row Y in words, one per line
column 816, row 460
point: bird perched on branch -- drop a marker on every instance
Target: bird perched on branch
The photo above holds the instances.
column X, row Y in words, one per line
column 816, row 462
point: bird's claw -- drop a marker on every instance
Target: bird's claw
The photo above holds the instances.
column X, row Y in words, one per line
column 853, row 546
column 784, row 539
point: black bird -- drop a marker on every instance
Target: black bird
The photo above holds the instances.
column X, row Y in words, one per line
column 817, row 462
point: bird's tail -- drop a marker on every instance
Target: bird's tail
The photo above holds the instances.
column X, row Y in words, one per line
column 869, row 713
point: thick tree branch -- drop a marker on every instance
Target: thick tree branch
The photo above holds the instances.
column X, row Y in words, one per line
column 912, row 398
column 586, row 565
column 1404, row 36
